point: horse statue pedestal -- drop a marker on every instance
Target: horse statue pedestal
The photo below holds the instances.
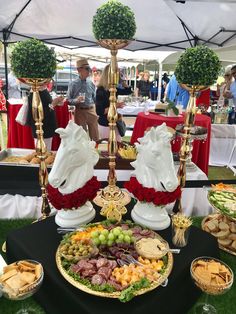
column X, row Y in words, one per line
column 150, row 215
column 75, row 217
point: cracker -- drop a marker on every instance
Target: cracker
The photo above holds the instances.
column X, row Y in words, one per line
column 8, row 275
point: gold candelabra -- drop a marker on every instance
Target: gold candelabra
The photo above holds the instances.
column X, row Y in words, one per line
column 185, row 149
column 112, row 194
column 41, row 149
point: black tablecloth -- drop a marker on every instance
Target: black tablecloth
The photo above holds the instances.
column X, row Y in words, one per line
column 39, row 241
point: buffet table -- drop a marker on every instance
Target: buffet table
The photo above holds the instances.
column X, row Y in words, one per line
column 223, row 141
column 19, row 198
column 57, row 296
column 200, row 153
column 21, row 136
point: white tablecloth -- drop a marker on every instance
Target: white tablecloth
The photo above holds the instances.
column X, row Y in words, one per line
column 134, row 108
column 194, row 200
column 223, row 139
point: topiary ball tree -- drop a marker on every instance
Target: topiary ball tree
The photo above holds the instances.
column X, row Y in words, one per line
column 198, row 66
column 33, row 59
column 114, row 20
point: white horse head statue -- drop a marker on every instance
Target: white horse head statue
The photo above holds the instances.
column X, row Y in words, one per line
column 75, row 159
column 154, row 166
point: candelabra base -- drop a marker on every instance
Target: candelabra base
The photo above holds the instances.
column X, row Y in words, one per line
column 112, row 200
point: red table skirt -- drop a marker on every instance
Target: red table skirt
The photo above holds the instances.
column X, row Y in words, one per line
column 21, row 136
column 200, row 153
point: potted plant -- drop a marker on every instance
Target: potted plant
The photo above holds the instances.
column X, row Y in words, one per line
column 33, row 59
column 171, row 109
column 198, row 66
column 114, row 20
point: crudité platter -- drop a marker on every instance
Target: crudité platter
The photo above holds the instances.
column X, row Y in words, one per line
column 223, row 198
column 110, row 260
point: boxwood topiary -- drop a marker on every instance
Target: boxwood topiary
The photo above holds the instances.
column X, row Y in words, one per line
column 114, row 20
column 198, row 66
column 33, row 59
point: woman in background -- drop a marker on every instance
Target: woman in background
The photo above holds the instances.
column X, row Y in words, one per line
column 49, row 120
column 143, row 86
column 102, row 105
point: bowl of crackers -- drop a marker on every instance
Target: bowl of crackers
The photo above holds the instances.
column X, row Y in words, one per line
column 211, row 275
column 21, row 279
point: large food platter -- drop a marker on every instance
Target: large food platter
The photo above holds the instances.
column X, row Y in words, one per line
column 24, row 158
column 223, row 201
column 217, row 221
column 88, row 287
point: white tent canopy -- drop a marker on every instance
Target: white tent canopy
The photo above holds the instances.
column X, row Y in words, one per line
column 161, row 24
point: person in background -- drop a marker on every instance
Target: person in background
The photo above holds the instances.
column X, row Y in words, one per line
column 81, row 94
column 123, row 88
column 102, row 105
column 176, row 93
column 96, row 74
column 14, row 90
column 230, row 93
column 154, row 88
column 143, row 85
column 49, row 120
column 3, row 116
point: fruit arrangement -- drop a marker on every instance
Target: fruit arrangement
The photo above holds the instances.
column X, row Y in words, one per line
column 103, row 260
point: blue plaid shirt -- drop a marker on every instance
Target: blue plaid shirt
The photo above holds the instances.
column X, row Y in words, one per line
column 81, row 86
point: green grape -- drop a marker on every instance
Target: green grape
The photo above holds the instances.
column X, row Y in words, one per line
column 130, row 232
column 95, row 234
column 105, row 232
column 121, row 237
column 111, row 236
column 104, row 242
column 110, row 242
column 127, row 239
column 116, row 232
column 96, row 241
column 102, row 237
column 133, row 239
column 118, row 241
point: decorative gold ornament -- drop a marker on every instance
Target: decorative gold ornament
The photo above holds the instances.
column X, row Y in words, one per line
column 112, row 193
column 41, row 149
column 185, row 149
column 113, row 211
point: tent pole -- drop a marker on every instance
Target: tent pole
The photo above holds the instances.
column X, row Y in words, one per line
column 159, row 82
column 5, row 60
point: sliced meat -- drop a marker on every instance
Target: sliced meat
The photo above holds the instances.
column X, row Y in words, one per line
column 101, row 262
column 97, row 280
column 105, row 272
column 145, row 232
column 136, row 229
column 82, row 262
column 93, row 261
column 112, row 264
column 88, row 273
column 114, row 284
column 125, row 227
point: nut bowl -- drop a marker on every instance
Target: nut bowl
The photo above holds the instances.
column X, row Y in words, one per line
column 21, row 279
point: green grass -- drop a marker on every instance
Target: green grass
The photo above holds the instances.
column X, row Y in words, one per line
column 225, row 304
column 219, row 173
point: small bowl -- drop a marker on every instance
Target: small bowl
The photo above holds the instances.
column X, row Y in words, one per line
column 33, row 288
column 211, row 288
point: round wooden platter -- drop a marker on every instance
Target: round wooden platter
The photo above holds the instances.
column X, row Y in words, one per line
column 117, row 294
